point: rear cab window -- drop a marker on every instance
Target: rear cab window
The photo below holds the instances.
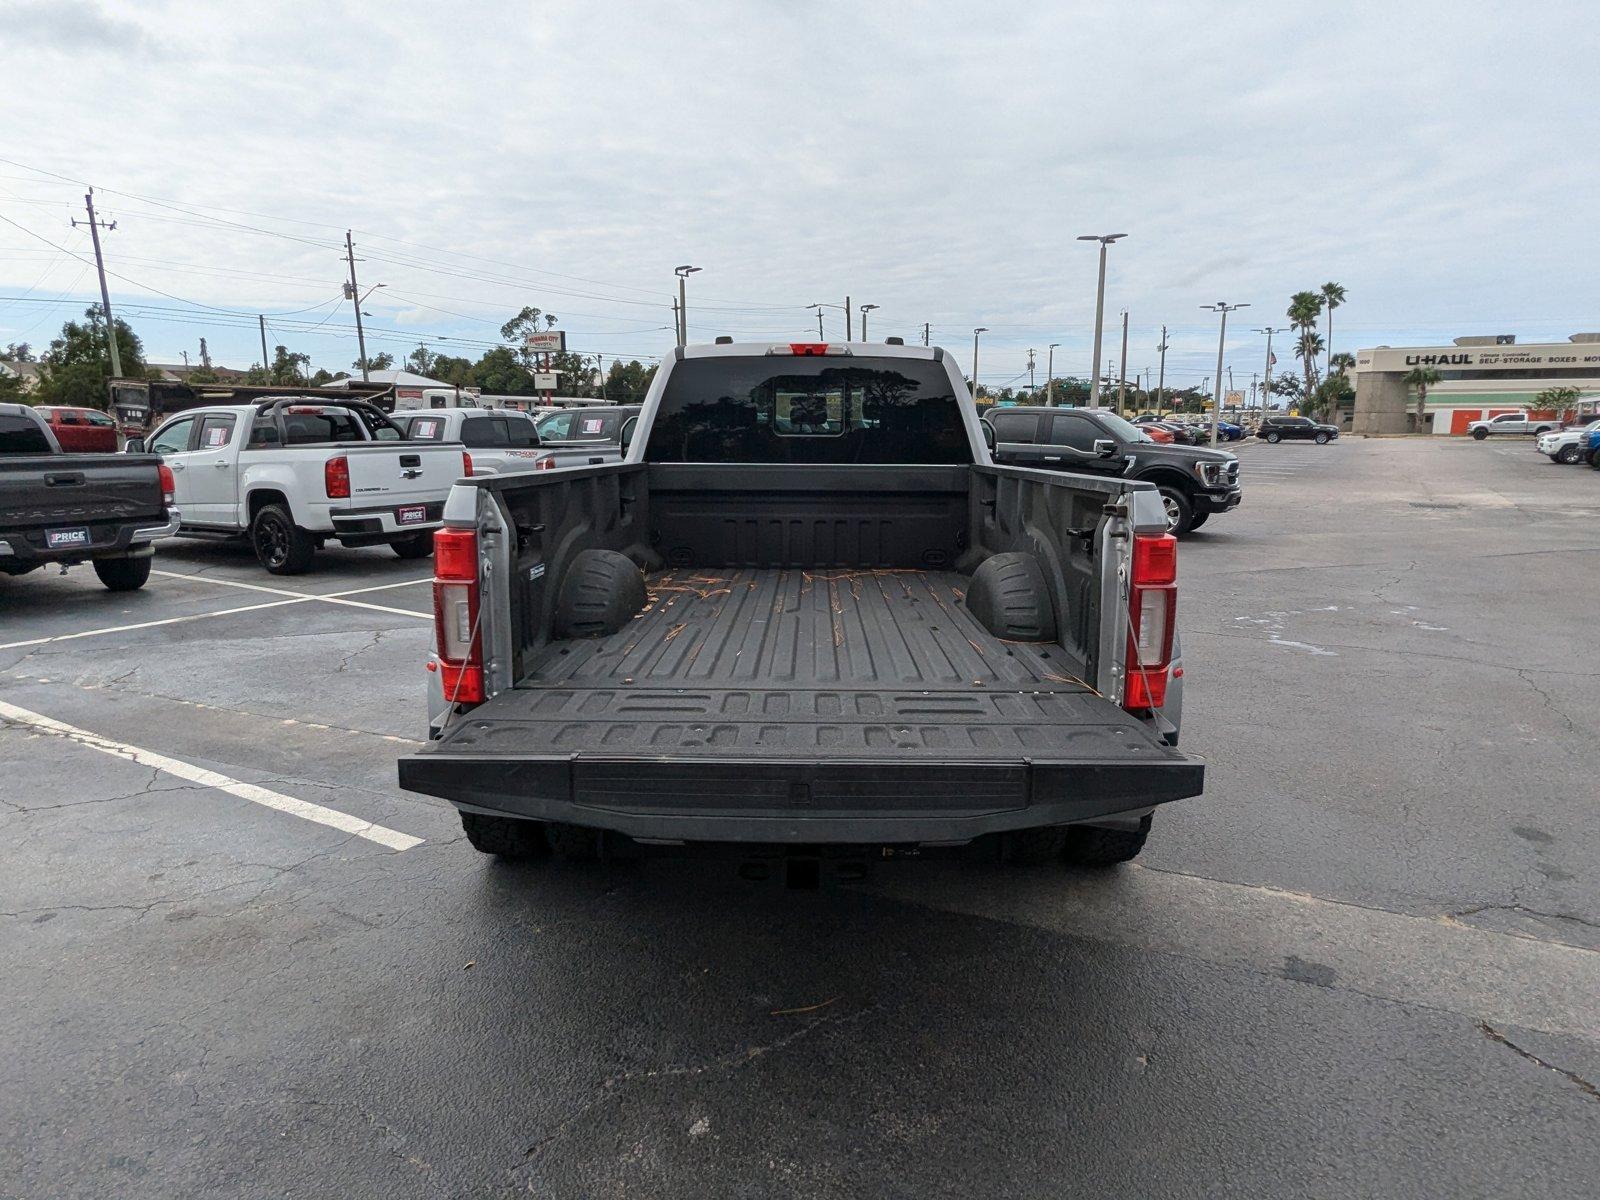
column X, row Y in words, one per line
column 22, row 435
column 781, row 409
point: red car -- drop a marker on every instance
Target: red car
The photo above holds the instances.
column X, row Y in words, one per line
column 84, row 430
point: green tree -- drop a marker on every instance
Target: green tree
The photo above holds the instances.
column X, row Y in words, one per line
column 1559, row 400
column 77, row 365
column 382, row 361
column 453, row 370
column 11, row 390
column 517, row 329
column 627, row 382
column 1304, row 312
column 501, row 372
column 1332, row 297
column 1340, row 363
column 422, row 361
column 17, row 352
column 1421, row 378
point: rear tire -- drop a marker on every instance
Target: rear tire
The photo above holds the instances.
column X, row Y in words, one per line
column 123, row 574
column 1092, row 846
column 1035, row 847
column 281, row 546
column 418, row 545
column 1180, row 513
column 505, row 837
column 1479, row 434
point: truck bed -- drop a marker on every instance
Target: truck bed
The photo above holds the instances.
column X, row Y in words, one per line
column 783, row 704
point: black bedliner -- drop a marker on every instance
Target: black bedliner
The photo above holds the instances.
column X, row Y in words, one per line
column 794, row 705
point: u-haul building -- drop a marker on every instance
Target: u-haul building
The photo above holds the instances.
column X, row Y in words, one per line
column 1478, row 377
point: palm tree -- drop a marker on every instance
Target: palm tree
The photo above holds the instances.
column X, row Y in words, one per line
column 1421, row 378
column 1332, row 297
column 1340, row 362
column 1305, row 310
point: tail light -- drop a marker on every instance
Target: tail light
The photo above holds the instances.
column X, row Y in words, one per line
column 455, row 615
column 809, row 349
column 1152, row 608
column 336, row 478
column 545, row 464
column 169, row 484
column 466, row 465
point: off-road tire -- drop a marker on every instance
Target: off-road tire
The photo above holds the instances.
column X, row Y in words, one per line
column 418, row 545
column 1091, row 846
column 280, row 545
column 507, row 837
column 1180, row 513
column 573, row 842
column 123, row 574
column 1035, row 847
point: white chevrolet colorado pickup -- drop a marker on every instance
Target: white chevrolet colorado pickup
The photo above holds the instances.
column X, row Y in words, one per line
column 291, row 475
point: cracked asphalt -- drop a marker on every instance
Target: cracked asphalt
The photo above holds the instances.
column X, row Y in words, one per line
column 1365, row 963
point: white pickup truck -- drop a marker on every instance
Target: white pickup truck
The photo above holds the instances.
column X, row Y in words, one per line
column 1512, row 422
column 502, row 440
column 291, row 475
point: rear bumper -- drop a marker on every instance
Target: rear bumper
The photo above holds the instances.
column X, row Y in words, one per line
column 799, row 801
column 105, row 541
column 372, row 526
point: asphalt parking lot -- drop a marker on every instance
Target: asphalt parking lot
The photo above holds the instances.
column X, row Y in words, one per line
column 235, row 960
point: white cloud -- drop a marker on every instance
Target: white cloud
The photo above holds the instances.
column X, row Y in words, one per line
column 937, row 161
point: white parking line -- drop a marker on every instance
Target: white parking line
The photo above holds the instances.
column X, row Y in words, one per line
column 297, row 598
column 303, row 809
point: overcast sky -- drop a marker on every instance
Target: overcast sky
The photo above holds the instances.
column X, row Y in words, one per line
column 1435, row 158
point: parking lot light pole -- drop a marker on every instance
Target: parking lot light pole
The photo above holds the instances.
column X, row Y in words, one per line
column 683, row 274
column 1266, row 380
column 865, row 309
column 1223, row 307
column 1050, row 374
column 1105, row 239
column 975, row 333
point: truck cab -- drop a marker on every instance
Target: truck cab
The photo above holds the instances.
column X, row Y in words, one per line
column 806, row 610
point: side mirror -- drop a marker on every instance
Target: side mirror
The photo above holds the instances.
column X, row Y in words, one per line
column 133, row 446
column 629, row 428
column 988, row 433
column 1104, row 448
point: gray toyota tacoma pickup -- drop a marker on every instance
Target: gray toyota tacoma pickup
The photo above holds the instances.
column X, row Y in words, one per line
column 806, row 618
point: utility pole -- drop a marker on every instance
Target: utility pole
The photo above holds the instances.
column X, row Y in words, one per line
column 865, row 309
column 105, row 294
column 1224, row 308
column 1122, row 379
column 677, row 323
column 818, row 307
column 849, row 321
column 1161, row 380
column 205, row 355
column 355, row 299
column 185, row 354
column 1105, row 239
column 262, row 321
column 683, row 274
column 925, row 333
column 1266, row 379
column 1031, row 386
column 975, row 333
column 1050, row 375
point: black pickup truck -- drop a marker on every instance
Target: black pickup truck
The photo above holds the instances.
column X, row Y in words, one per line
column 806, row 617
column 55, row 508
column 1194, row 481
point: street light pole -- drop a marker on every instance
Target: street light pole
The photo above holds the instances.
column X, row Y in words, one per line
column 865, row 309
column 818, row 307
column 683, row 274
column 975, row 333
column 1031, row 386
column 1266, row 379
column 1105, row 239
column 1050, row 375
column 1122, row 378
column 1224, row 308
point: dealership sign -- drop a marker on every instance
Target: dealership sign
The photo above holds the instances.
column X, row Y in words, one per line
column 551, row 341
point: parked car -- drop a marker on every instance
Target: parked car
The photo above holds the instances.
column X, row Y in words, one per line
column 773, row 684
column 1182, row 434
column 1592, row 450
column 501, row 440
column 587, row 425
column 292, row 475
column 1194, row 481
column 1511, row 423
column 1157, row 433
column 1567, row 445
column 80, row 429
column 1282, row 429
column 61, row 509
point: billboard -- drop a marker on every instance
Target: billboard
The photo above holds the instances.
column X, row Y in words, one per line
column 551, row 341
